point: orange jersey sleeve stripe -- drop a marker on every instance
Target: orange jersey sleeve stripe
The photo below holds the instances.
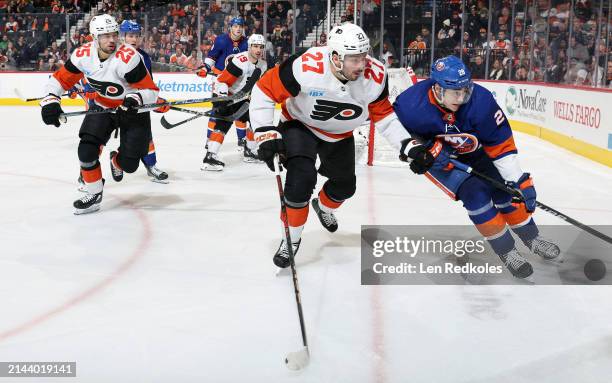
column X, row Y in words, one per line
column 272, row 86
column 145, row 83
column 227, row 78
column 380, row 109
column 499, row 149
column 66, row 78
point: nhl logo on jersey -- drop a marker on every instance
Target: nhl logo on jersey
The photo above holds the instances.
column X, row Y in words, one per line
column 325, row 110
column 462, row 142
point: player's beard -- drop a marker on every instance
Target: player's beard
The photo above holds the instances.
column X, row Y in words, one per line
column 109, row 48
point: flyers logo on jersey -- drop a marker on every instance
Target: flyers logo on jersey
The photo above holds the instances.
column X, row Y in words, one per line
column 325, row 110
column 106, row 89
column 462, row 142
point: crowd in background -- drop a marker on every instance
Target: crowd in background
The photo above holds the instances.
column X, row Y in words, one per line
column 523, row 40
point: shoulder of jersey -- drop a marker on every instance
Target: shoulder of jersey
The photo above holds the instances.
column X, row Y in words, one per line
column 374, row 77
column 82, row 52
column 311, row 66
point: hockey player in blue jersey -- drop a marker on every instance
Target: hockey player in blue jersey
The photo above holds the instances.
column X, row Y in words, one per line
column 226, row 45
column 447, row 115
column 130, row 31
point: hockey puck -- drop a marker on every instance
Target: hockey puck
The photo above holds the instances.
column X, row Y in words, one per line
column 595, row 269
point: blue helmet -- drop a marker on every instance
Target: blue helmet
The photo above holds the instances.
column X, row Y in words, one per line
column 451, row 73
column 130, row 26
column 237, row 20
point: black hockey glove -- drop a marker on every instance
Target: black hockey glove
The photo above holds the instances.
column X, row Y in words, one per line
column 51, row 110
column 424, row 157
column 269, row 143
column 130, row 103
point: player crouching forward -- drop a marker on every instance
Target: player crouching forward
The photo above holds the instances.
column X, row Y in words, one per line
column 240, row 68
column 121, row 80
column 325, row 94
column 453, row 116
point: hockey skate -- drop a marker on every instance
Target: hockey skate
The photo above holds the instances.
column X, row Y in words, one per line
column 251, row 157
column 116, row 172
column 328, row 220
column 516, row 264
column 157, row 175
column 89, row 203
column 281, row 257
column 241, row 144
column 546, row 249
column 212, row 163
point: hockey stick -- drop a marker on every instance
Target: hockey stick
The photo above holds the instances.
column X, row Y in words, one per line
column 232, row 117
column 299, row 359
column 234, row 97
column 516, row 195
column 23, row 98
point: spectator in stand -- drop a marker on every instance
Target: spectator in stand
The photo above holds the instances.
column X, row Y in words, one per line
column 478, row 68
column 178, row 58
column 497, row 73
column 193, row 62
column 521, row 73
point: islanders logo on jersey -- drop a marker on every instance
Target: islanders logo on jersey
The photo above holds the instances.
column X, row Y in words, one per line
column 463, row 143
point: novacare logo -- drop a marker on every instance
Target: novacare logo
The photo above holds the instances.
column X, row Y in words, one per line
column 191, row 87
column 524, row 100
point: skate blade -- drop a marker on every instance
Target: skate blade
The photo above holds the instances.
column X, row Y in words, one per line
column 158, row 181
column 211, row 168
column 558, row 259
column 280, row 272
column 91, row 209
column 251, row 161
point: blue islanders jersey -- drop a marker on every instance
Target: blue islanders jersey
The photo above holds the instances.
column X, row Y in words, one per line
column 479, row 123
column 223, row 47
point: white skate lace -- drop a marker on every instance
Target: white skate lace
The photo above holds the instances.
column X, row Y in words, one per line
column 116, row 171
column 155, row 170
column 514, row 260
column 329, row 218
column 541, row 247
column 284, row 249
column 88, row 198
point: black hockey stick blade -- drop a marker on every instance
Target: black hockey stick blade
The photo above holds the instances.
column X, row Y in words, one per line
column 169, row 125
column 232, row 117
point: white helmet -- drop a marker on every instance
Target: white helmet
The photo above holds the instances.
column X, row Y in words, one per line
column 102, row 24
column 347, row 39
column 256, row 39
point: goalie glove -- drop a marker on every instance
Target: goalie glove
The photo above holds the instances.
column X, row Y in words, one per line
column 269, row 143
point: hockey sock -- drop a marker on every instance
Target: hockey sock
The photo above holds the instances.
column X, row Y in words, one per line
column 296, row 217
column 215, row 141
column 150, row 159
column 326, row 203
column 241, row 129
column 92, row 176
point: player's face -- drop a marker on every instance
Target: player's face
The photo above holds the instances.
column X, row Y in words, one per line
column 452, row 99
column 132, row 38
column 353, row 66
column 107, row 42
column 236, row 31
column 256, row 51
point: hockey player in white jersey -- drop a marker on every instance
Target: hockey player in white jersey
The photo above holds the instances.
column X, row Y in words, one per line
column 325, row 94
column 239, row 69
column 121, row 80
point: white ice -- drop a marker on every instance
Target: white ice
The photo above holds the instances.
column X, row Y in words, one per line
column 174, row 283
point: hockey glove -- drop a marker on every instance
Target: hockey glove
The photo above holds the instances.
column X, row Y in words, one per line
column 422, row 157
column 130, row 103
column 269, row 143
column 203, row 70
column 525, row 186
column 162, row 109
column 51, row 110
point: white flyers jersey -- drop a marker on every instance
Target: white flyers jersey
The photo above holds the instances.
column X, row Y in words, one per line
column 309, row 92
column 237, row 72
column 122, row 73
